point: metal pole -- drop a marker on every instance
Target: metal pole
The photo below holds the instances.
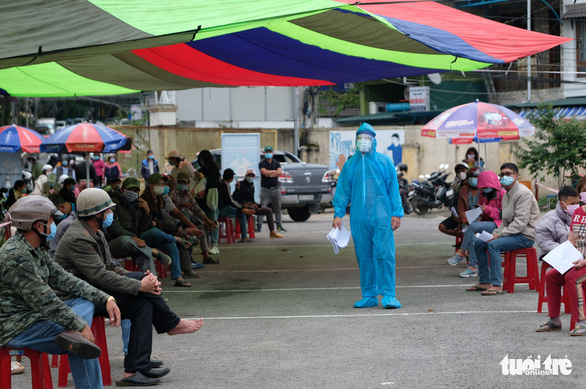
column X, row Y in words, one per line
column 529, row 58
column 296, row 116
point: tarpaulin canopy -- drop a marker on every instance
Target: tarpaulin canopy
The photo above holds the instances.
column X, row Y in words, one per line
column 100, row 47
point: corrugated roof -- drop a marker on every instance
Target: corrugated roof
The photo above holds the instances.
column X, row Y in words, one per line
column 571, row 101
column 575, row 11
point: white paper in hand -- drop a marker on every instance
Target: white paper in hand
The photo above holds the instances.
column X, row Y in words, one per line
column 484, row 236
column 473, row 214
column 339, row 238
column 562, row 257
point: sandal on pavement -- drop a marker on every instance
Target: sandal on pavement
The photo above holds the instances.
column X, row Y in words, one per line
column 182, row 283
column 185, row 244
column 579, row 330
column 548, row 327
column 211, row 261
column 191, row 273
column 476, row 288
column 491, row 292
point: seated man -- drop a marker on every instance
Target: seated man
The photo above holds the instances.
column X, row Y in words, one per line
column 114, row 185
column 84, row 252
column 31, row 314
column 231, row 208
column 63, row 222
column 68, row 189
column 553, row 229
column 185, row 202
column 520, row 214
column 51, row 186
column 244, row 194
column 131, row 220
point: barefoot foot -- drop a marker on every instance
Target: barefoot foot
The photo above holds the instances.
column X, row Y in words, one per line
column 186, row 327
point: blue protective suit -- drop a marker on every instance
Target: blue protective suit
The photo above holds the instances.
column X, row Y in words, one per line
column 369, row 183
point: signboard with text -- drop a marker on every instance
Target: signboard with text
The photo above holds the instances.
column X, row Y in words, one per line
column 419, row 98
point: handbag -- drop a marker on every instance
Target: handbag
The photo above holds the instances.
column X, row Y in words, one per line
column 212, row 199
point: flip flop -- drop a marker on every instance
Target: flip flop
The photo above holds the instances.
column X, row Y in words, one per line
column 548, row 327
column 476, row 288
column 578, row 330
column 491, row 292
column 182, row 283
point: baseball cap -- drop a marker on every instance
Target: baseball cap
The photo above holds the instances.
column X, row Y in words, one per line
column 268, row 148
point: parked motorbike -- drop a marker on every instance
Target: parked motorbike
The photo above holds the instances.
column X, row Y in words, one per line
column 434, row 192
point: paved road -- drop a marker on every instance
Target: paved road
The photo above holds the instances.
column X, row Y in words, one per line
column 279, row 315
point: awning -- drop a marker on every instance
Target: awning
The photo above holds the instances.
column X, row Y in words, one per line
column 578, row 112
column 575, row 11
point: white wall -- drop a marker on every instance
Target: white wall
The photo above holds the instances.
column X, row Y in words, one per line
column 569, row 56
column 258, row 107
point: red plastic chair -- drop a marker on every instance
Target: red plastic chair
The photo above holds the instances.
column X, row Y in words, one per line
column 40, row 370
column 99, row 331
column 228, row 230
column 532, row 277
column 250, row 221
column 543, row 297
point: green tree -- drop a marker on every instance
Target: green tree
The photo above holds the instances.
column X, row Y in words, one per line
column 559, row 146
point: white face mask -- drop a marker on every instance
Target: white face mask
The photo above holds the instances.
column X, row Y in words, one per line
column 462, row 176
column 471, row 156
column 364, row 143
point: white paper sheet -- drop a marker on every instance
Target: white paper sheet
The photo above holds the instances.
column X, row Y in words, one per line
column 562, row 257
column 484, row 236
column 339, row 238
column 473, row 214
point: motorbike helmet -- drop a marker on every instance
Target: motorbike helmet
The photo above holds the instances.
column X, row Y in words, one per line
column 461, row 166
column 28, row 210
column 402, row 167
column 92, row 201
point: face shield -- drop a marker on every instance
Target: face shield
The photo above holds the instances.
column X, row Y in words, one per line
column 364, row 143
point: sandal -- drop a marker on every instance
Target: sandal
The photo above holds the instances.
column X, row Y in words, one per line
column 491, row 292
column 579, row 330
column 191, row 273
column 476, row 288
column 182, row 283
column 210, row 260
column 185, row 244
column 549, row 327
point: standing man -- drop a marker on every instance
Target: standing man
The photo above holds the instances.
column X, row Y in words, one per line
column 368, row 182
column 149, row 166
column 270, row 192
column 36, row 166
column 520, row 215
column 31, row 314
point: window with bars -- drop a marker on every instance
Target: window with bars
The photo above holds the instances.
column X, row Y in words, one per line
column 581, row 47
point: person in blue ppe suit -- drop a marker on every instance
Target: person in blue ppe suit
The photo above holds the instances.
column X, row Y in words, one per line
column 368, row 182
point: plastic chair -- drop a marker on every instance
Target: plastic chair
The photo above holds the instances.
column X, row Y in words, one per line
column 99, row 331
column 532, row 277
column 228, row 233
column 40, row 370
column 543, row 297
column 250, row 222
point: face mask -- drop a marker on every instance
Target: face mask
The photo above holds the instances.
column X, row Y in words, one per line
column 249, row 180
column 268, row 155
column 64, row 163
column 166, row 190
column 51, row 234
column 96, row 158
column 363, row 145
column 507, row 180
column 130, row 196
column 151, row 157
column 61, row 217
column 159, row 190
column 108, row 220
column 72, row 188
column 181, row 187
column 473, row 182
column 487, row 190
column 51, row 184
column 112, row 160
column 462, row 176
column 583, row 197
column 570, row 209
column 471, row 156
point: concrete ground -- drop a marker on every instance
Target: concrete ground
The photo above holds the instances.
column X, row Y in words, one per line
column 279, row 314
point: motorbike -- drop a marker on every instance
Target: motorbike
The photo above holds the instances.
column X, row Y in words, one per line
column 404, row 189
column 434, row 192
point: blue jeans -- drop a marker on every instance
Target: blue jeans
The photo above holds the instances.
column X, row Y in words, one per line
column 40, row 336
column 493, row 275
column 469, row 240
column 231, row 212
column 215, row 233
column 166, row 243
